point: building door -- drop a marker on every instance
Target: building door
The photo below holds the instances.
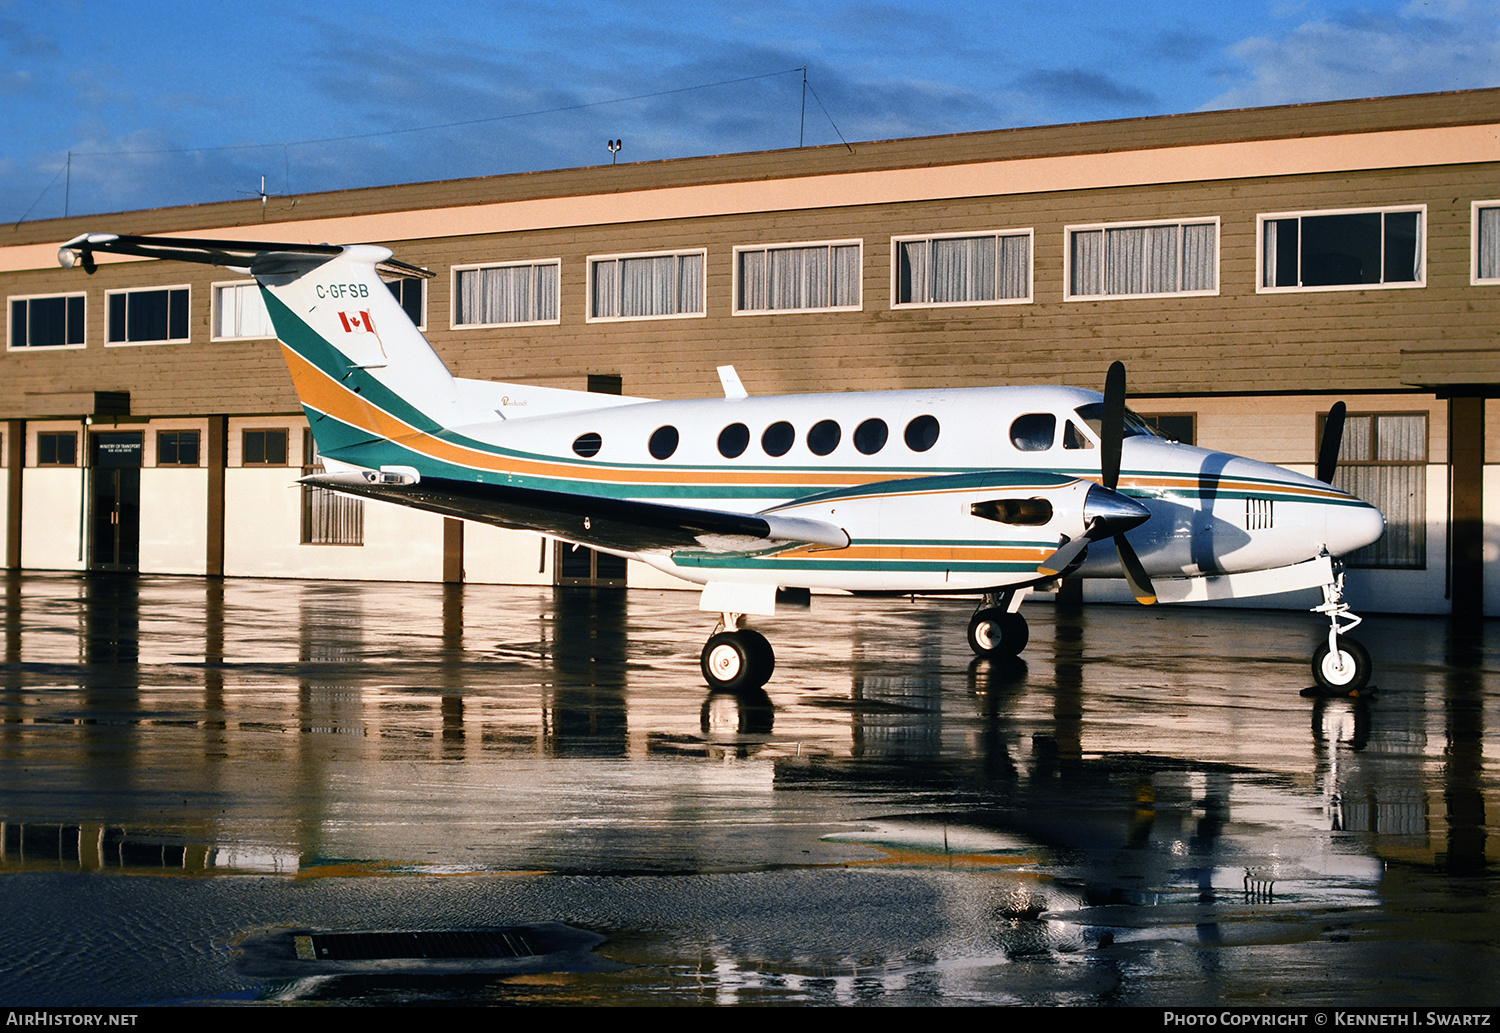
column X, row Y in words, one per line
column 115, row 501
column 580, row 567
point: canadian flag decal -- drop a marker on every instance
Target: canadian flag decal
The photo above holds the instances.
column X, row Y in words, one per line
column 357, row 322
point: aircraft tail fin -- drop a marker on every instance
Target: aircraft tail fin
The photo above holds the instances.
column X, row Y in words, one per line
column 361, row 369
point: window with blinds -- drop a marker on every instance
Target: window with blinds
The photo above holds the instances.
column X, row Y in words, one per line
column 1143, row 260
column 240, row 312
column 1486, row 235
column 659, row 286
column 328, row 517
column 797, row 277
column 1383, row 460
column 506, row 295
column 991, row 268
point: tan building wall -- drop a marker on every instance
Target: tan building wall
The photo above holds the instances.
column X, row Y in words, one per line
column 1256, row 368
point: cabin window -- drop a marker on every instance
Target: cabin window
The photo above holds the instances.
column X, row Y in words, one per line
column 588, row 445
column 263, row 448
column 515, row 293
column 57, row 448
column 148, row 316
column 240, row 312
column 978, row 269
column 646, row 286
column 1383, row 460
column 824, row 437
column 870, row 436
column 922, row 433
column 1351, row 249
column 410, row 293
column 1143, row 261
column 177, row 448
column 662, row 444
column 733, row 440
column 778, row 438
column 47, row 322
column 806, row 277
column 1034, row 432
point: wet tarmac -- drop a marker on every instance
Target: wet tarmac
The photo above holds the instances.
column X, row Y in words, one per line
column 204, row 783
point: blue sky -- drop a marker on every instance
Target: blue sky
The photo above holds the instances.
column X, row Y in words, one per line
column 166, row 103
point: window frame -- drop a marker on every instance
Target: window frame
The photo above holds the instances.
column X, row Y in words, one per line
column 1260, row 247
column 1475, row 280
column 453, row 293
column 592, row 260
column 735, row 276
column 41, row 433
column 196, row 464
column 10, row 302
column 213, row 313
column 1029, row 232
column 286, row 460
column 421, row 323
column 127, row 291
column 1105, row 227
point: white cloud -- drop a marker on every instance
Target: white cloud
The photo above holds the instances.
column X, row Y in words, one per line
column 1427, row 47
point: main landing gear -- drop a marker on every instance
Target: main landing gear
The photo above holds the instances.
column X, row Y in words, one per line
column 737, row 659
column 997, row 627
column 1341, row 666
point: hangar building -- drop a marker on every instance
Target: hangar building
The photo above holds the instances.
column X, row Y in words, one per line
column 1249, row 267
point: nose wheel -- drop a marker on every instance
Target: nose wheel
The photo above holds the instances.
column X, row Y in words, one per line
column 1340, row 666
column 737, row 660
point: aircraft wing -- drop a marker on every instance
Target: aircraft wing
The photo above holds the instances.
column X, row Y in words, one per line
column 614, row 525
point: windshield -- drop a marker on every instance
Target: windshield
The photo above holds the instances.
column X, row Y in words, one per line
column 1135, row 426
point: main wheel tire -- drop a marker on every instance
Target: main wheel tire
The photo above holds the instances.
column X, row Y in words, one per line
column 1348, row 671
column 734, row 662
column 765, row 656
column 997, row 632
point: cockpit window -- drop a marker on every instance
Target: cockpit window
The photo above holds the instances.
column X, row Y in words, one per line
column 1073, row 437
column 1034, row 432
column 1135, row 427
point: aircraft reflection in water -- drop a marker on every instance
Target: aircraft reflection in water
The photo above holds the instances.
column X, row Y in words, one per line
column 913, row 818
column 987, row 491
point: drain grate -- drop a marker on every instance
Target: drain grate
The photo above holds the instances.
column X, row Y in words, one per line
column 509, row 949
column 428, row 944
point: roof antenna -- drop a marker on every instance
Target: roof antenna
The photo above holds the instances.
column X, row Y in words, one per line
column 262, row 195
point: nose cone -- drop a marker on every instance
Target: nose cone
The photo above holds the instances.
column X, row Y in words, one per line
column 1116, row 513
column 1353, row 527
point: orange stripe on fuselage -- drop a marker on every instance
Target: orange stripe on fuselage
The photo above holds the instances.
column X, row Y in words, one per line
column 319, row 391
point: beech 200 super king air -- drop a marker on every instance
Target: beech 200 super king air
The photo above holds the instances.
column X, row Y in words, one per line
column 988, row 491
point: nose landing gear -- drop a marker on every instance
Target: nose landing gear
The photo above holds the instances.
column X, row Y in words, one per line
column 1340, row 666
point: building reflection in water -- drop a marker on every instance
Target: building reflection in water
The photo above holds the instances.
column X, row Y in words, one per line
column 199, row 724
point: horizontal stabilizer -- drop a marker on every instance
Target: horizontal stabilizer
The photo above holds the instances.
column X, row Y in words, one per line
column 233, row 254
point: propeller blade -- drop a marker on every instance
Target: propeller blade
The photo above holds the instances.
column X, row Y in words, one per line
column 1067, row 554
column 1112, row 425
column 1135, row 574
column 1333, row 438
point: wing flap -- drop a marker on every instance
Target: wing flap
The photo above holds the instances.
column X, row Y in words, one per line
column 615, row 525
